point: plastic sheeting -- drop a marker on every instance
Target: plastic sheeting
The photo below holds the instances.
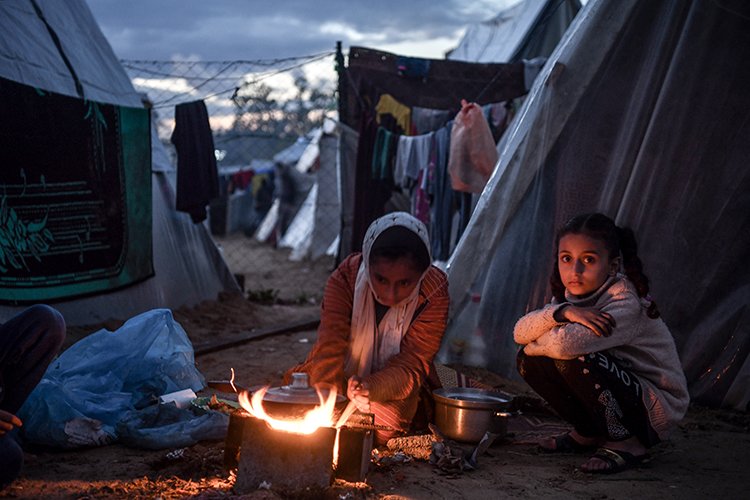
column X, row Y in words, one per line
column 188, row 267
column 317, row 223
column 29, row 55
column 188, row 270
column 526, row 30
column 641, row 113
column 106, row 387
column 346, row 166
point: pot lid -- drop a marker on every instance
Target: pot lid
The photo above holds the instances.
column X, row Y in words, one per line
column 298, row 392
column 468, row 397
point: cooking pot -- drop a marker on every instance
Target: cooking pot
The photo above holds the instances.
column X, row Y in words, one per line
column 466, row 414
column 296, row 399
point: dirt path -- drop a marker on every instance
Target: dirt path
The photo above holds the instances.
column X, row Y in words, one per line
column 707, row 457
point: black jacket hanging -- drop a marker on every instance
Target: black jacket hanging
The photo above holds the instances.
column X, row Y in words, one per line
column 197, row 177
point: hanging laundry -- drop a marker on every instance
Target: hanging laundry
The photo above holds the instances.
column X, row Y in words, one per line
column 383, row 153
column 412, row 155
column 426, row 120
column 242, row 179
column 442, row 207
column 197, row 176
column 412, row 67
column 370, row 195
column 388, row 105
column 420, row 207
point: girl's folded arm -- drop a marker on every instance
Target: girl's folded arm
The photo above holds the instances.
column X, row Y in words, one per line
column 569, row 340
column 536, row 323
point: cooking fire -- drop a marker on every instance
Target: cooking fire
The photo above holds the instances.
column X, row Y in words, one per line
column 320, row 416
column 282, row 438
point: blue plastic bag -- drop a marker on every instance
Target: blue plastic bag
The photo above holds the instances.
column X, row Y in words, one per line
column 97, row 381
column 166, row 426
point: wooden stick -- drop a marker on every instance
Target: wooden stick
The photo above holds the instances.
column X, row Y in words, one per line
column 351, row 407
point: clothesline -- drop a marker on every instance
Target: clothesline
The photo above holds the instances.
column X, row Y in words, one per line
column 416, row 165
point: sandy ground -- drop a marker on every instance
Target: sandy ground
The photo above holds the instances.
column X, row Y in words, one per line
column 708, row 456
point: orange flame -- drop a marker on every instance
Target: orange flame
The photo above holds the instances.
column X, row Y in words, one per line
column 320, row 416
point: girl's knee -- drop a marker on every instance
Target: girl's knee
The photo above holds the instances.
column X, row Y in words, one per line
column 526, row 364
column 541, row 365
column 571, row 369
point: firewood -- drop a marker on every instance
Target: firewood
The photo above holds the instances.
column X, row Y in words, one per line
column 418, row 447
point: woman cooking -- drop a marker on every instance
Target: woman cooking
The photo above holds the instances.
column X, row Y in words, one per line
column 383, row 316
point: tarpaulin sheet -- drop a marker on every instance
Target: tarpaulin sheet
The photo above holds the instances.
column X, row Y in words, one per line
column 641, row 113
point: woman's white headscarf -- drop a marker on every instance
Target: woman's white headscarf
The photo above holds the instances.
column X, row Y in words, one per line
column 371, row 344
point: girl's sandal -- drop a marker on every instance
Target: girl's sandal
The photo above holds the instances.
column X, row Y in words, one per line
column 564, row 443
column 616, row 460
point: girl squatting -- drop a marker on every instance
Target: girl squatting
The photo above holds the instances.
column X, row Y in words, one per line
column 599, row 353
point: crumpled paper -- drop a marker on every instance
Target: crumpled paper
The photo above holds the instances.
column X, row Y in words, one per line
column 450, row 458
column 84, row 431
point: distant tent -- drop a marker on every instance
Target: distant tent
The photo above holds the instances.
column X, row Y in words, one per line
column 291, row 188
column 56, row 51
column 641, row 113
column 526, row 30
column 316, row 226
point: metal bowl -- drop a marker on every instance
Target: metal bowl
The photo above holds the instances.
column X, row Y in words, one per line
column 466, row 414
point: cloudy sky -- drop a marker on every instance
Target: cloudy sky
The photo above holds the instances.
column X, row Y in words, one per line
column 222, row 30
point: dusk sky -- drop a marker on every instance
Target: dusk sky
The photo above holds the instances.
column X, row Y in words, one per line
column 260, row 29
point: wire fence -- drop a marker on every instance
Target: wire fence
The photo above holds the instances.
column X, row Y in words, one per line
column 278, row 204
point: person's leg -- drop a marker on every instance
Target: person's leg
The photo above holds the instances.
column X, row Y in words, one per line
column 394, row 416
column 11, row 460
column 597, row 391
column 545, row 376
column 28, row 343
column 614, row 395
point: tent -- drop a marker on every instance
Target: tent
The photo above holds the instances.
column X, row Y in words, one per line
column 526, row 30
column 291, row 190
column 494, row 64
column 315, row 228
column 641, row 113
column 55, row 50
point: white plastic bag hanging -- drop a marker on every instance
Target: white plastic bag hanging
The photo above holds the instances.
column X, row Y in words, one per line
column 472, row 156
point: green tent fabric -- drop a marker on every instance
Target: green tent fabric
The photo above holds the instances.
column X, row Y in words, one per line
column 116, row 247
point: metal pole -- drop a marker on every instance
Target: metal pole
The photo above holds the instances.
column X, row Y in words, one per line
column 341, row 87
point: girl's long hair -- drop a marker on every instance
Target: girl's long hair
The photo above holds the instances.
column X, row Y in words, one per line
column 619, row 241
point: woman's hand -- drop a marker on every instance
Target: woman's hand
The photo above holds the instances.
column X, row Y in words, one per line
column 8, row 421
column 357, row 391
column 599, row 322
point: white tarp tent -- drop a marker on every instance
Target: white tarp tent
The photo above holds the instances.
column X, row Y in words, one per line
column 58, row 47
column 526, row 30
column 316, row 225
column 640, row 113
column 291, row 191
